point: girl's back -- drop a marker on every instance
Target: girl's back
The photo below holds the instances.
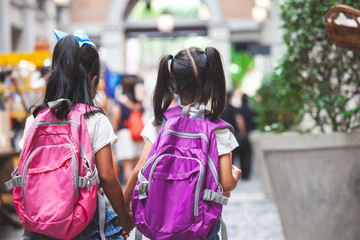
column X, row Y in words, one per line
column 197, row 77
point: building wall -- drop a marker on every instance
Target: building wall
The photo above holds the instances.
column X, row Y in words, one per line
column 22, row 23
column 236, row 9
column 85, row 11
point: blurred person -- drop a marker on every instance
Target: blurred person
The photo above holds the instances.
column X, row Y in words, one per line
column 196, row 76
column 71, row 85
column 232, row 115
column 127, row 123
column 39, row 78
column 244, row 145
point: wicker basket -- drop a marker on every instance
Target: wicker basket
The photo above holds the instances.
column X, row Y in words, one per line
column 346, row 37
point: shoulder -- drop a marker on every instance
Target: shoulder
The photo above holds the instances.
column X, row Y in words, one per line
column 226, row 141
column 150, row 131
column 28, row 123
column 100, row 131
column 224, row 131
column 97, row 120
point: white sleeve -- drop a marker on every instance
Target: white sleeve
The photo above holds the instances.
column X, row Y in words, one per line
column 29, row 121
column 150, row 132
column 100, row 131
column 226, row 141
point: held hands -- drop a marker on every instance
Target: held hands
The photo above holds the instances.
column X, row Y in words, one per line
column 127, row 223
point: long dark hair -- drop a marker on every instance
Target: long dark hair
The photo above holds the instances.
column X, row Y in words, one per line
column 128, row 83
column 193, row 73
column 72, row 77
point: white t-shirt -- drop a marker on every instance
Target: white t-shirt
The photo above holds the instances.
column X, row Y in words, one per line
column 225, row 139
column 100, row 131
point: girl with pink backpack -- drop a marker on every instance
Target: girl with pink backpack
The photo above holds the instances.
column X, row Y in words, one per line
column 67, row 151
column 185, row 171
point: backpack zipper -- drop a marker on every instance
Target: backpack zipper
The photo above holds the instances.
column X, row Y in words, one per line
column 53, row 123
column 56, row 123
column 198, row 183
column 23, row 180
column 197, row 135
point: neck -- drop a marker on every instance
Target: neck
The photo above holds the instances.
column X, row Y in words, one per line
column 195, row 100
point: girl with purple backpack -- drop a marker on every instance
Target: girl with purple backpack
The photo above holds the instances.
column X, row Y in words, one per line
column 197, row 77
column 73, row 80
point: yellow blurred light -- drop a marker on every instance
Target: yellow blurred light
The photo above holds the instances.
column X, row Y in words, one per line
column 263, row 3
column 165, row 22
column 259, row 14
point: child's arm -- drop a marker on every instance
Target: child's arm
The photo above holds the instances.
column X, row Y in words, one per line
column 229, row 174
column 116, row 117
column 112, row 187
column 129, row 189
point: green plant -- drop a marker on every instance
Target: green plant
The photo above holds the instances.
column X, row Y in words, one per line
column 241, row 63
column 324, row 80
column 277, row 104
column 141, row 12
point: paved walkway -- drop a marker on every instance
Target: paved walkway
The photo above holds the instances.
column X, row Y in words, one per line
column 251, row 216
column 248, row 216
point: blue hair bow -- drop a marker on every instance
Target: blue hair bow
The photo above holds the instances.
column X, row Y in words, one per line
column 80, row 35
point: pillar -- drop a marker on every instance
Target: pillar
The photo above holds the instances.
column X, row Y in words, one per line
column 28, row 34
column 5, row 30
column 220, row 37
column 113, row 45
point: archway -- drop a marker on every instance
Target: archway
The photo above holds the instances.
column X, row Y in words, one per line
column 114, row 37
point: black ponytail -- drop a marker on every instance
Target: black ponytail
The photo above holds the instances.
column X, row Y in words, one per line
column 195, row 75
column 74, row 75
column 164, row 90
column 215, row 86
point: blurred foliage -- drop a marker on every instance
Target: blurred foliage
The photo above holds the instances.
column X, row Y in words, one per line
column 189, row 9
column 277, row 104
column 313, row 77
column 154, row 48
column 241, row 63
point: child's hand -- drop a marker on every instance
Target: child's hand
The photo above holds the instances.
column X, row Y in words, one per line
column 236, row 172
column 124, row 234
column 127, row 223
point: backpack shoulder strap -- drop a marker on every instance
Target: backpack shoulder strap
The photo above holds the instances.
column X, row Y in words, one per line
column 172, row 112
column 218, row 124
column 83, row 108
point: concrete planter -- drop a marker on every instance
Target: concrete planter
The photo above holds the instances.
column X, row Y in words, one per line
column 256, row 139
column 315, row 180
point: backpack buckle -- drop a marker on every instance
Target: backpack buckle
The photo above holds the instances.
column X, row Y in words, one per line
column 143, row 187
column 142, row 190
column 209, row 195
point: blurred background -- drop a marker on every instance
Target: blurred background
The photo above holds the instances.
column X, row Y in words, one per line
column 297, row 83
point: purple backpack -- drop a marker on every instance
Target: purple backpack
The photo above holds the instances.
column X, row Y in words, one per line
column 178, row 194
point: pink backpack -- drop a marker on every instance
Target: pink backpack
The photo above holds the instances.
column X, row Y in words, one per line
column 55, row 184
